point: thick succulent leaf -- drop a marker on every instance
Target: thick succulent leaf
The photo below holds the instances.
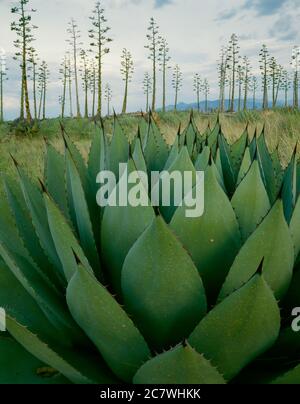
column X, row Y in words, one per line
column 183, row 164
column 213, row 240
column 54, row 176
column 17, row 366
column 143, row 128
column 107, row 325
column 298, row 179
column 276, row 251
column 51, row 345
column 173, row 153
column 250, row 201
column 289, row 189
column 78, row 159
column 278, row 170
column 218, row 171
column 212, row 137
column 290, row 377
column 266, row 168
column 190, row 137
column 96, row 163
column 155, row 149
column 25, row 230
column 123, row 225
column 245, row 166
column 138, row 156
column 164, row 292
column 52, row 305
column 239, row 329
column 64, row 239
column 227, row 166
column 35, row 204
column 81, row 213
column 253, row 145
column 118, row 149
column 237, row 151
column 79, row 368
column 295, row 228
column 22, row 306
column 203, row 159
column 181, row 365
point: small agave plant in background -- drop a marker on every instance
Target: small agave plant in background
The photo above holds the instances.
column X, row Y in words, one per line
column 144, row 296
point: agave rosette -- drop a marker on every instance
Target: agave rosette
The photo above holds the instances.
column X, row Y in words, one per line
column 130, row 294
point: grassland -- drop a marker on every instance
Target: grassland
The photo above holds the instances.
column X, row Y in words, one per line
column 282, row 129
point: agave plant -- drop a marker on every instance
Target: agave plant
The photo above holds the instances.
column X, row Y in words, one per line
column 142, row 295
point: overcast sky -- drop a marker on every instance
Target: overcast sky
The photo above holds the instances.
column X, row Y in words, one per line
column 195, row 30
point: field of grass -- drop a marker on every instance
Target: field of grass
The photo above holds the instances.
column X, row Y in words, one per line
column 282, row 129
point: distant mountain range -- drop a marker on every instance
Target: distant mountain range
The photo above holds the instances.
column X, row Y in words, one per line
column 213, row 105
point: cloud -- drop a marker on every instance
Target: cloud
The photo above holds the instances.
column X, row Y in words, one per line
column 261, row 8
column 265, row 7
column 227, row 14
column 286, row 27
column 162, row 3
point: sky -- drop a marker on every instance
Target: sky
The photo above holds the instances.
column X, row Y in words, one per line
column 194, row 29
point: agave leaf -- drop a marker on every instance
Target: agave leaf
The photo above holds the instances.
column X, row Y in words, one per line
column 227, row 167
column 164, row 293
column 289, row 189
column 52, row 305
column 276, row 251
column 213, row 240
column 78, row 159
column 118, row 150
column 22, row 306
column 290, row 377
column 218, row 164
column 295, row 228
column 81, row 213
column 96, row 163
column 181, row 365
column 190, row 136
column 212, row 138
column 17, row 366
column 237, row 151
column 183, row 164
column 25, row 230
column 245, row 166
column 143, row 128
column 54, row 175
column 173, row 153
column 106, row 324
column 253, row 145
column 155, row 149
column 123, row 225
column 34, row 201
column 250, row 201
column 64, row 239
column 278, row 170
column 239, row 329
column 203, row 159
column 77, row 367
column 138, row 156
column 266, row 168
column 298, row 179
